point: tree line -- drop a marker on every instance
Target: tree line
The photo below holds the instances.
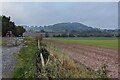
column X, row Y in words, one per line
column 89, row 33
column 8, row 25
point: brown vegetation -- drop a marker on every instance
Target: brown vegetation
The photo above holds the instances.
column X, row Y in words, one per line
column 92, row 57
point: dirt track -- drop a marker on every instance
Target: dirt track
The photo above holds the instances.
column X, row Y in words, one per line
column 8, row 60
column 8, row 56
column 92, row 57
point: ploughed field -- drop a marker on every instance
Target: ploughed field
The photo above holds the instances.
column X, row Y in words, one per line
column 93, row 53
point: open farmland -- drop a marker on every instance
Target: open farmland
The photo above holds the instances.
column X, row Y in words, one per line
column 94, row 53
column 99, row 41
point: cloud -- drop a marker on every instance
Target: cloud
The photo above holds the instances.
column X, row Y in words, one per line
column 59, row 0
column 95, row 14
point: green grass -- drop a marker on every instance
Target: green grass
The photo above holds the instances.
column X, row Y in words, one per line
column 59, row 65
column 99, row 41
column 87, row 38
column 26, row 61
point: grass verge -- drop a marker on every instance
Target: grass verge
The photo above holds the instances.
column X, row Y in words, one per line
column 25, row 67
column 58, row 65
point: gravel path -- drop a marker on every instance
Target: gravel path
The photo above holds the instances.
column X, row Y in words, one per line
column 8, row 58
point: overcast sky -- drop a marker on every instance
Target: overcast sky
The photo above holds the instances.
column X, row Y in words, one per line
column 94, row 14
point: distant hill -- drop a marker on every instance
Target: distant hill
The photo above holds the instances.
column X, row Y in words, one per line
column 68, row 26
column 75, row 29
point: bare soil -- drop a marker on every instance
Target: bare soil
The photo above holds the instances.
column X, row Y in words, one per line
column 93, row 57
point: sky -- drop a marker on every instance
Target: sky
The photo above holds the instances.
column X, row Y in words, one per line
column 94, row 14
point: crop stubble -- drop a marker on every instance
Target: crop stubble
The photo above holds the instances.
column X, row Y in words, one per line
column 93, row 57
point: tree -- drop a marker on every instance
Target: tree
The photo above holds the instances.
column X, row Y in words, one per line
column 46, row 35
column 42, row 31
column 20, row 30
column 8, row 25
column 64, row 35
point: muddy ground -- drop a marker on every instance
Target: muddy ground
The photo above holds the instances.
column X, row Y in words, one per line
column 93, row 57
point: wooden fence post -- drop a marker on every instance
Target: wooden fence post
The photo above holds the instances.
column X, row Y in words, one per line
column 42, row 60
column 41, row 56
column 38, row 44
